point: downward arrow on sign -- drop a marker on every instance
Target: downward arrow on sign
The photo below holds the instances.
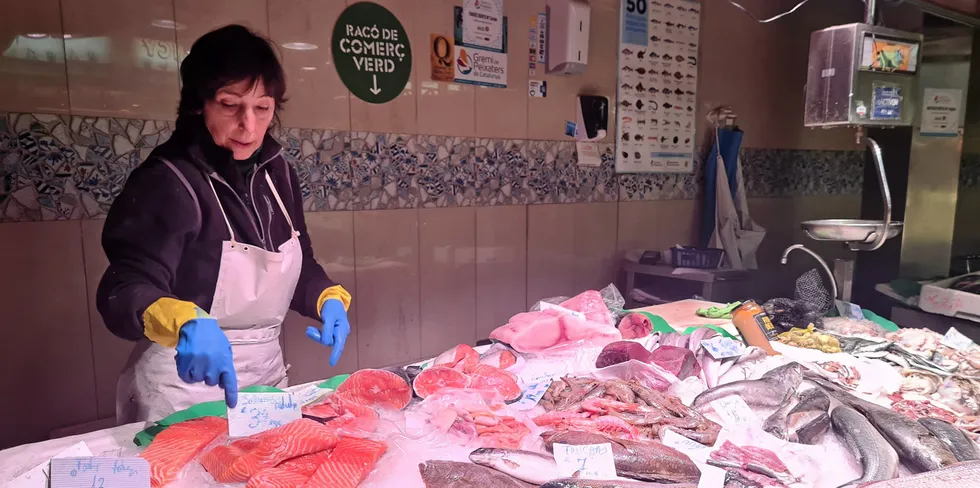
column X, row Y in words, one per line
column 375, row 90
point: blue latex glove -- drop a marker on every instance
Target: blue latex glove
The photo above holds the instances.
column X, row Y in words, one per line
column 204, row 354
column 335, row 329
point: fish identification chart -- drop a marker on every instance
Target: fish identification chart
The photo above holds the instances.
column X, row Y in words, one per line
column 657, row 86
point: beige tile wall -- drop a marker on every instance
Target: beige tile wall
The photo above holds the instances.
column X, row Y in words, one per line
column 122, row 61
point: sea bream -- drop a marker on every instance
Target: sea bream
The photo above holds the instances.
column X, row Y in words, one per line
column 649, row 461
column 771, row 390
column 584, row 483
column 452, row 474
column 878, row 459
column 963, row 448
column 917, row 448
column 533, row 467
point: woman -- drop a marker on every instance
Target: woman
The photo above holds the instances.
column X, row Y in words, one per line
column 207, row 244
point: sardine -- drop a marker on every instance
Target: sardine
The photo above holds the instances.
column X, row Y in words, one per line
column 771, row 390
column 452, row 474
column 648, row 461
column 813, row 432
column 533, row 467
column 918, row 449
column 878, row 460
column 584, row 483
column 963, row 448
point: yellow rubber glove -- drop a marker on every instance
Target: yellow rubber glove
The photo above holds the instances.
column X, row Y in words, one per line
column 163, row 319
column 338, row 292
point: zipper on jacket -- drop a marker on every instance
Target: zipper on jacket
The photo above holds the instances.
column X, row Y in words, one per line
column 251, row 219
column 271, row 214
column 251, row 190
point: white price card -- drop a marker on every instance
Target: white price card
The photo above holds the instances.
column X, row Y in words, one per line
column 734, row 412
column 259, row 412
column 532, row 395
column 695, row 450
column 37, row 477
column 308, row 393
column 722, row 347
column 590, row 461
column 956, row 340
column 100, row 472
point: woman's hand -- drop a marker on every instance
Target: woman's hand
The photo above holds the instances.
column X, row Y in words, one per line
column 335, row 328
column 204, row 354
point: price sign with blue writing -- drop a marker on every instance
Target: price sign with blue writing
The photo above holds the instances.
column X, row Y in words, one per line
column 590, row 461
column 100, row 472
column 259, row 412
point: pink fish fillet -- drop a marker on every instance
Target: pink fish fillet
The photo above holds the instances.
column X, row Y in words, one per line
column 530, row 331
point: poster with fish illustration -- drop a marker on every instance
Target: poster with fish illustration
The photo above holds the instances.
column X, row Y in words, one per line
column 656, row 91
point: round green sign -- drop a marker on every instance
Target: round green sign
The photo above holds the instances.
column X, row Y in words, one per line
column 371, row 52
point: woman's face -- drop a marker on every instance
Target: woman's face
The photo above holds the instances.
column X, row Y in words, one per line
column 238, row 117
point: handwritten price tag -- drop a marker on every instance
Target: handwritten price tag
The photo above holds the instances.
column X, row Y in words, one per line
column 532, row 395
column 956, row 340
column 259, row 412
column 100, row 472
column 734, row 412
column 38, row 476
column 721, row 347
column 307, row 394
column 591, row 461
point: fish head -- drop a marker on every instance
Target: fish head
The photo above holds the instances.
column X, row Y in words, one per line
column 487, row 456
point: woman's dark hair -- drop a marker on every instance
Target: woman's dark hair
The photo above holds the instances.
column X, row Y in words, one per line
column 228, row 55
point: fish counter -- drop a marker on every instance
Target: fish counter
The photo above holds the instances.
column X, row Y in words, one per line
column 577, row 393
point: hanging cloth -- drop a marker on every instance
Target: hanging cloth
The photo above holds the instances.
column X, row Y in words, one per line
column 732, row 228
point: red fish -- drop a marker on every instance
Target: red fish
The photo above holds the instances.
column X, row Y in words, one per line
column 460, row 357
column 434, row 378
column 178, row 444
column 240, row 460
column 483, row 377
column 349, row 463
column 376, row 388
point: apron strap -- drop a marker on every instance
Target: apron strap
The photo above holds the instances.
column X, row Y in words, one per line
column 222, row 208
column 282, row 207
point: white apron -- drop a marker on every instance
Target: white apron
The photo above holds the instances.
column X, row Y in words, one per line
column 735, row 231
column 251, row 298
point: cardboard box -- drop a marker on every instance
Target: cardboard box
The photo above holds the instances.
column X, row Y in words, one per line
column 939, row 298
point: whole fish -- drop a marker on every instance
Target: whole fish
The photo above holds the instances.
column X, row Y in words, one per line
column 918, row 449
column 777, row 423
column 533, row 467
column 452, row 474
column 878, row 460
column 771, row 390
column 648, row 461
column 963, row 448
column 813, row 432
column 584, row 483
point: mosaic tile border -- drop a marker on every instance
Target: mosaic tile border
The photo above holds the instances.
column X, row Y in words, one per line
column 60, row 167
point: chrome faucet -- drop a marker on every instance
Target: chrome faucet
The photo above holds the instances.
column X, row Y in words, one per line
column 823, row 264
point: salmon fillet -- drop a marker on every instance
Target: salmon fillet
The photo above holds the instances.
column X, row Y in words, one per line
column 176, row 446
column 349, row 463
column 292, row 473
column 435, row 378
column 242, row 459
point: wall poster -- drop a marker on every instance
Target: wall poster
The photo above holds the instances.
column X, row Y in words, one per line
column 657, row 86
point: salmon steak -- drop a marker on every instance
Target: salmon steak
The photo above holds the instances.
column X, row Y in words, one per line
column 376, row 388
column 176, row 446
column 292, row 473
column 431, row 380
column 242, row 459
column 484, row 377
column 349, row 463
column 460, row 357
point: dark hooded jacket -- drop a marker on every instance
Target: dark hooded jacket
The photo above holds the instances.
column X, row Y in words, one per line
column 164, row 232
